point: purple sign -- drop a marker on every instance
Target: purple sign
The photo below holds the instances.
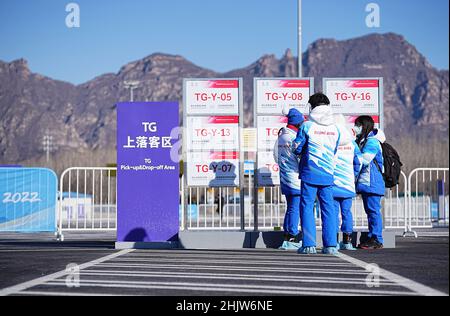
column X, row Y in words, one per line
column 147, row 172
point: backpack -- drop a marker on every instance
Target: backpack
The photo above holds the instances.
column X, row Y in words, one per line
column 392, row 165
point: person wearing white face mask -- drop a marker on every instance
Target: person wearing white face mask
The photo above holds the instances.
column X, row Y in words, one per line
column 370, row 183
column 357, row 130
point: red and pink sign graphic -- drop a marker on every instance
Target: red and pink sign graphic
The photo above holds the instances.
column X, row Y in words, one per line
column 274, row 97
column 212, row 97
column 354, row 96
column 278, row 96
column 268, row 128
column 362, row 83
column 213, row 169
column 212, row 133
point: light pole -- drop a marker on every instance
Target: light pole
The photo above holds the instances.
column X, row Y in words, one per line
column 299, row 39
column 131, row 85
column 47, row 145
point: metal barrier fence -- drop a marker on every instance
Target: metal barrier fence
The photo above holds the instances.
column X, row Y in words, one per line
column 219, row 213
column 88, row 202
column 428, row 198
column 394, row 208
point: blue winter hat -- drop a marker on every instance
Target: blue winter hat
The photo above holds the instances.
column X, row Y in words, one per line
column 295, row 117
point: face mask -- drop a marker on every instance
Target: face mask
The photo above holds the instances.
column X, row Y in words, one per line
column 358, row 130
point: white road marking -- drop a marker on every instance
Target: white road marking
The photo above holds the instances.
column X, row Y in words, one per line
column 191, row 268
column 282, row 254
column 23, row 286
column 402, row 281
column 187, row 288
column 257, row 288
column 233, row 277
column 242, row 261
column 276, row 276
column 40, row 293
column 234, row 268
column 56, row 250
column 281, row 258
column 431, row 234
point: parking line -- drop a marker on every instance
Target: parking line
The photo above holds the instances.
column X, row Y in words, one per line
column 55, row 250
column 243, row 262
column 194, row 268
column 187, row 288
column 281, row 258
column 41, row 293
column 402, row 281
column 254, row 288
column 233, row 277
column 232, row 267
column 23, row 286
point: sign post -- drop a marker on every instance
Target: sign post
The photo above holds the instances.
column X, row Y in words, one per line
column 212, row 143
column 273, row 98
column 148, row 174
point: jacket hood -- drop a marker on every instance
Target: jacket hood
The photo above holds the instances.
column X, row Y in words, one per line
column 346, row 136
column 378, row 134
column 322, row 115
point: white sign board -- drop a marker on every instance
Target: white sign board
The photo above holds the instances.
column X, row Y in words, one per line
column 212, row 133
column 275, row 95
column 274, row 98
column 268, row 128
column 268, row 170
column 353, row 96
column 211, row 97
column 213, row 169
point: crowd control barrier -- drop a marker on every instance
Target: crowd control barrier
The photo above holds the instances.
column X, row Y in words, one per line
column 87, row 202
column 428, row 198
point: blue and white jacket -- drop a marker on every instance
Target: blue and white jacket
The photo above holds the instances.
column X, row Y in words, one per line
column 317, row 141
column 371, row 179
column 287, row 161
column 348, row 165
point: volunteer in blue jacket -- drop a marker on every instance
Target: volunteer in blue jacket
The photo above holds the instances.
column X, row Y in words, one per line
column 317, row 142
column 289, row 179
column 348, row 166
column 370, row 182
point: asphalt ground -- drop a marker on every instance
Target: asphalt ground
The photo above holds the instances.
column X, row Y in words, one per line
column 34, row 265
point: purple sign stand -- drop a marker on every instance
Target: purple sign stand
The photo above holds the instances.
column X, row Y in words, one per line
column 147, row 175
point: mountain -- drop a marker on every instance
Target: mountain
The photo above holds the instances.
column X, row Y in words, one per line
column 416, row 95
column 82, row 118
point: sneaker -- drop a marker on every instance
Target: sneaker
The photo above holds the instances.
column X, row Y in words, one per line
column 307, row 250
column 346, row 243
column 289, row 245
column 292, row 238
column 344, row 246
column 347, row 238
column 372, row 243
column 330, row 250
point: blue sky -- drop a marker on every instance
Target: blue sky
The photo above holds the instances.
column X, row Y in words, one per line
column 219, row 35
